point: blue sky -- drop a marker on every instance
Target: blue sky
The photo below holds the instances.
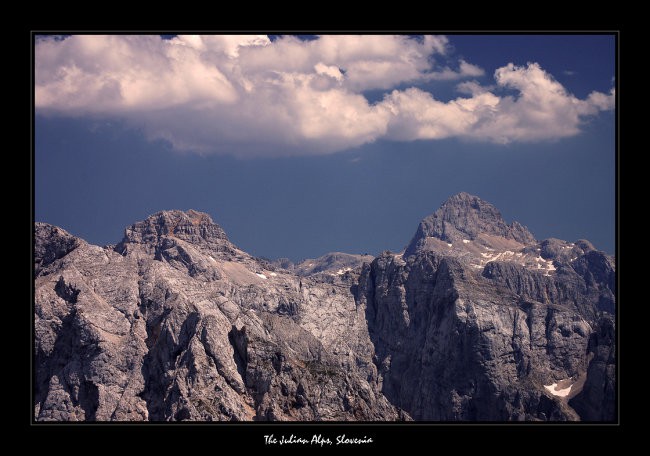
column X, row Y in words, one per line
column 301, row 147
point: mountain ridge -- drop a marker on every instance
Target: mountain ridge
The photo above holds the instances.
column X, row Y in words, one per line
column 177, row 323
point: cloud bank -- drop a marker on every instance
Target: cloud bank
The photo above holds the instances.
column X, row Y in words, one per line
column 250, row 96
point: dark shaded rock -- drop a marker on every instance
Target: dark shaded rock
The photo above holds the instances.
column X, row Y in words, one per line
column 597, row 268
column 455, row 347
column 597, row 400
column 550, row 249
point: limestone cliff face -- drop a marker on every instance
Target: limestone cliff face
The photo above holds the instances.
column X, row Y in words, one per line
column 452, row 344
column 479, row 321
column 177, row 323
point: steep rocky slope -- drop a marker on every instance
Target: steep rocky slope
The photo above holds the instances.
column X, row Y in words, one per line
column 479, row 321
column 475, row 321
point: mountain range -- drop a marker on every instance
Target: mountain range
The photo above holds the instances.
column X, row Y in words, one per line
column 476, row 320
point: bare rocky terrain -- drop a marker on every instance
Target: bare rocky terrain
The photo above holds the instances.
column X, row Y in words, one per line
column 475, row 320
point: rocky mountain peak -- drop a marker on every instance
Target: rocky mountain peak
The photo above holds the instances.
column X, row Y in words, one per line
column 190, row 226
column 469, row 203
column 465, row 217
column 51, row 243
column 177, row 324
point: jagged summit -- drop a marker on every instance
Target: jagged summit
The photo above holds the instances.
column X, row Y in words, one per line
column 191, row 226
column 465, row 217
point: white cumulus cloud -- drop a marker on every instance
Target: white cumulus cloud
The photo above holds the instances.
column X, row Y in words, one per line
column 248, row 95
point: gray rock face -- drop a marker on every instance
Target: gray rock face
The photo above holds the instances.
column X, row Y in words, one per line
column 464, row 216
column 481, row 322
column 176, row 323
column 478, row 321
column 335, row 263
column 453, row 345
column 51, row 243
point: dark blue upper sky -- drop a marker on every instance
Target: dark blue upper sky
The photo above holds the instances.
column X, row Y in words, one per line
column 96, row 171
